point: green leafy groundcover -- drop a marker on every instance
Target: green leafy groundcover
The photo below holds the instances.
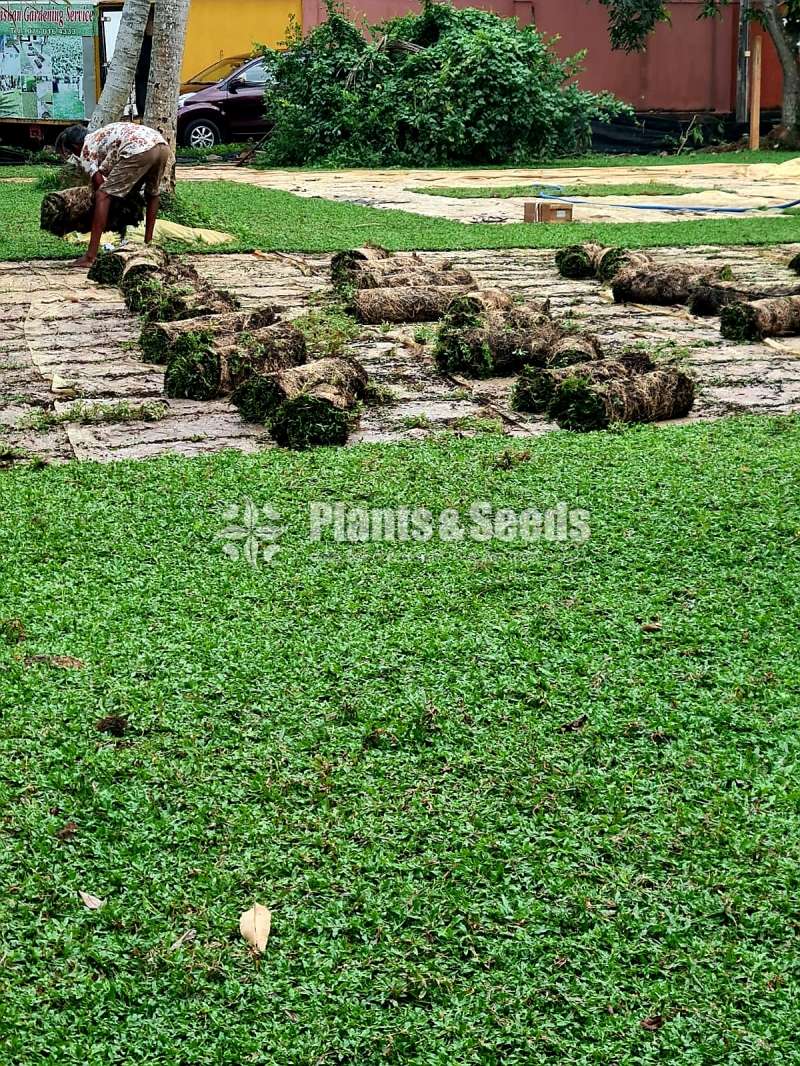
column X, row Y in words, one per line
column 269, row 219
column 385, row 744
column 446, row 85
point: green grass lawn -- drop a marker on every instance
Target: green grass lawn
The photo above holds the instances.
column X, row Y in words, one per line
column 270, row 219
column 370, row 739
column 506, row 192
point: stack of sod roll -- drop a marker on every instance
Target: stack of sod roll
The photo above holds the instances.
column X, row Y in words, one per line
column 211, row 349
column 584, row 396
column 380, row 287
column 635, row 277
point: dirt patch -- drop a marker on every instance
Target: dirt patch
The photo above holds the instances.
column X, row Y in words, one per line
column 63, row 338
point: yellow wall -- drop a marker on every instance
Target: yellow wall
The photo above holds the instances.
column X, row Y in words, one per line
column 219, row 28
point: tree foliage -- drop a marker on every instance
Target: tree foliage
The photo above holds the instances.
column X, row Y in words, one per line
column 444, row 86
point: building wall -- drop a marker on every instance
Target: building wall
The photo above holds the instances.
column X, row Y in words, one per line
column 220, row 28
column 689, row 65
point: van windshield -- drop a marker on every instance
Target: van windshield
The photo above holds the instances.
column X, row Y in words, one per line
column 217, row 71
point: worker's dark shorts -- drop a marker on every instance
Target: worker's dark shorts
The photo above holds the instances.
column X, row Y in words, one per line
column 145, row 169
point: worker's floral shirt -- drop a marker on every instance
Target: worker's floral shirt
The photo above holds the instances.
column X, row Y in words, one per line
column 105, row 148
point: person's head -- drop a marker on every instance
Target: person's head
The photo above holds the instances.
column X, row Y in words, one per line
column 70, row 141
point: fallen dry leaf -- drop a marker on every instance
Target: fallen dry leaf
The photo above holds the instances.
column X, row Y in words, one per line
column 114, row 724
column 653, row 1024
column 255, row 925
column 61, row 662
column 652, row 627
column 186, row 938
column 92, row 903
column 574, row 726
column 68, row 831
column 12, row 631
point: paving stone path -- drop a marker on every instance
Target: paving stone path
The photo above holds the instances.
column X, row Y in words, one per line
column 65, row 340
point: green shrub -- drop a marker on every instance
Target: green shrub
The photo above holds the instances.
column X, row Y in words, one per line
column 444, row 86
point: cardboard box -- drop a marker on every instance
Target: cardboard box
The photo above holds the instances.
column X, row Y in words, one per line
column 548, row 211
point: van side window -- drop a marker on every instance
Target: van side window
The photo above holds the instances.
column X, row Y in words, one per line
column 255, row 75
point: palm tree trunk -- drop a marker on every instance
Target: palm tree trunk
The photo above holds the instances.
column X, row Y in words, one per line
column 163, row 88
column 122, row 69
column 786, row 47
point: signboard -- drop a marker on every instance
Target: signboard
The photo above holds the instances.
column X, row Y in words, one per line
column 46, row 60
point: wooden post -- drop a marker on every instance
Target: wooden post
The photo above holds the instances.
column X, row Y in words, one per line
column 755, row 92
column 741, row 61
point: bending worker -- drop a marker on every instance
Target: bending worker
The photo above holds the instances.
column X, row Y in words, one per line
column 118, row 158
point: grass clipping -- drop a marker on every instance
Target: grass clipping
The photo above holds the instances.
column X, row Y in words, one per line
column 205, row 365
column 653, row 397
column 754, row 320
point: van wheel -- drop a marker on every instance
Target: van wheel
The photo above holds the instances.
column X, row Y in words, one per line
column 201, row 133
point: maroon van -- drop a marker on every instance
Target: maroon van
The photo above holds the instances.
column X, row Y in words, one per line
column 231, row 110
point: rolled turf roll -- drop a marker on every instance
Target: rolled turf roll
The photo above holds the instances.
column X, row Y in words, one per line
column 109, row 268
column 343, row 264
column 176, row 292
column 579, row 261
column 654, row 397
column 661, row 285
column 72, row 211
column 574, row 348
column 756, row 319
column 157, row 340
column 205, row 366
column 710, row 299
column 415, row 279
column 614, row 260
column 308, row 405
column 374, row 306
column 482, row 343
column 536, row 386
column 592, row 260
